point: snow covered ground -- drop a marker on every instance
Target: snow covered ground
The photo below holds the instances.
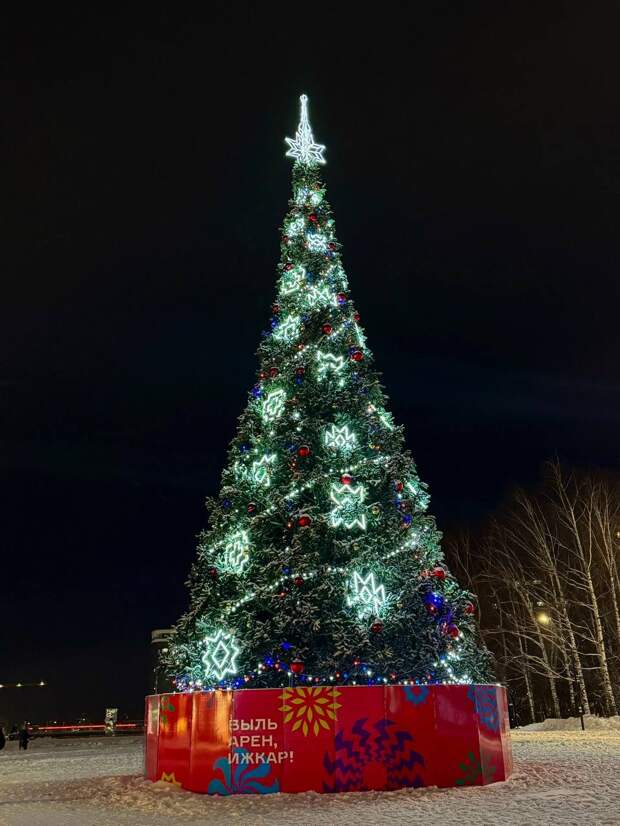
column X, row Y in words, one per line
column 561, row 777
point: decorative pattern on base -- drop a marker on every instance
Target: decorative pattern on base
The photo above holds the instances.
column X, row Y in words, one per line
column 327, row 739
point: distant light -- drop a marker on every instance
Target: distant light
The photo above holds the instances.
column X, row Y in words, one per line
column 18, row 685
column 543, row 618
column 42, row 682
column 1, row 686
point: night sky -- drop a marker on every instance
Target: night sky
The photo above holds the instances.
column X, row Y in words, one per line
column 474, row 171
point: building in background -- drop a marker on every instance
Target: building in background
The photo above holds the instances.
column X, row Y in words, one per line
column 160, row 639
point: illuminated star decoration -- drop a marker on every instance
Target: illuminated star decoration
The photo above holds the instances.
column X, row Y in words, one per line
column 302, row 147
column 219, row 658
column 366, row 595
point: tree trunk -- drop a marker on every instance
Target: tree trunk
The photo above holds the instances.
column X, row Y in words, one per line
column 610, row 701
column 526, row 677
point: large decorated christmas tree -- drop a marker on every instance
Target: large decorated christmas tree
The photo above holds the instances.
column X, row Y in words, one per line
column 321, row 563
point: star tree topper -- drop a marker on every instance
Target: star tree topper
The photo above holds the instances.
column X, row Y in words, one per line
column 302, row 147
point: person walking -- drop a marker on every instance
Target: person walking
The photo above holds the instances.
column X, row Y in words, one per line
column 24, row 736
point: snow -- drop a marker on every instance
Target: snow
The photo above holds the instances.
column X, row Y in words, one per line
column 561, row 777
column 574, row 724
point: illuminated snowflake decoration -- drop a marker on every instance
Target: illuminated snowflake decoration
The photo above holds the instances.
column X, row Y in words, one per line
column 236, row 554
column 316, row 242
column 273, row 405
column 328, row 363
column 303, row 194
column 260, row 472
column 220, row 655
column 349, row 511
column 320, row 296
column 340, row 438
column 288, row 330
column 366, row 595
column 292, row 280
column 295, row 226
column 302, row 147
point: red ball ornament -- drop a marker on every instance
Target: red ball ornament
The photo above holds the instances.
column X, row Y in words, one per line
column 300, row 347
column 275, row 309
column 439, row 572
column 282, row 594
column 346, row 479
column 376, row 627
column 470, row 608
column 213, row 573
column 327, row 329
column 398, row 485
column 331, row 245
column 341, row 298
column 300, row 371
column 356, row 316
column 273, row 372
column 297, row 667
column 288, row 266
column 304, row 521
column 432, row 609
column 262, row 375
column 357, row 662
column 251, row 507
column 303, row 451
column 299, row 581
column 357, row 355
column 313, row 217
column 453, row 631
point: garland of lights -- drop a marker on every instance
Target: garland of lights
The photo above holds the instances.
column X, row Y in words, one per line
column 315, row 341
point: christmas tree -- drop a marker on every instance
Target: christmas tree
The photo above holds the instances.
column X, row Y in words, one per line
column 321, row 563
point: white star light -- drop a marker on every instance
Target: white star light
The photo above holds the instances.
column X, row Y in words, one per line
column 302, row 147
column 219, row 658
column 366, row 595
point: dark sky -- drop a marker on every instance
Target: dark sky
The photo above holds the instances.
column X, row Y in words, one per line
column 474, row 171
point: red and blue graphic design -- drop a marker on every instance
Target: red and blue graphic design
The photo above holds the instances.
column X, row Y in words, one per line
column 329, row 739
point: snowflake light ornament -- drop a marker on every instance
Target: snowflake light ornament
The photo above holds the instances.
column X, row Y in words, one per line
column 302, row 147
column 349, row 510
column 366, row 595
column 220, row 655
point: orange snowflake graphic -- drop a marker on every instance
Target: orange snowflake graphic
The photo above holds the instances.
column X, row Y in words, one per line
column 311, row 708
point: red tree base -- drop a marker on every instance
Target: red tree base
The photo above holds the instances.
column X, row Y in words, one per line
column 328, row 739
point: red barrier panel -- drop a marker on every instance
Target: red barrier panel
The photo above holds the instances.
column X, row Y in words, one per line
column 328, row 739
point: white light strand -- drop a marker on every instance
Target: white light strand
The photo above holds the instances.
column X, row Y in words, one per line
column 302, row 147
